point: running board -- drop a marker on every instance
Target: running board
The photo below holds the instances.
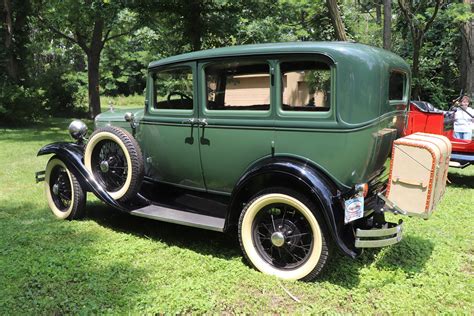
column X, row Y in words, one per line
column 171, row 215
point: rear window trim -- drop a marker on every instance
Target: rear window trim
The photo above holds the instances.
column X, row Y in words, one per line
column 323, row 115
column 405, row 86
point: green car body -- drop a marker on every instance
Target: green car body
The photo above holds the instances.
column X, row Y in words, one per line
column 347, row 143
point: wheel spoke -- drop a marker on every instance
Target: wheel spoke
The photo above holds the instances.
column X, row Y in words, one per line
column 273, row 223
column 302, row 247
column 292, row 255
column 299, row 235
column 263, row 236
column 63, row 196
column 265, row 226
column 117, row 167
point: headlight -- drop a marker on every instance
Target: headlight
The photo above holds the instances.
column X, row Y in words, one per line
column 77, row 129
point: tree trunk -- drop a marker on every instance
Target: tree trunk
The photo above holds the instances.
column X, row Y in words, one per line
column 93, row 76
column 467, row 47
column 194, row 27
column 93, row 62
column 417, row 43
column 11, row 62
column 336, row 20
column 470, row 70
column 387, row 24
column 378, row 13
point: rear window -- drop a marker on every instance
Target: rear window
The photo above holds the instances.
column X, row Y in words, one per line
column 240, row 85
column 396, row 89
column 306, row 86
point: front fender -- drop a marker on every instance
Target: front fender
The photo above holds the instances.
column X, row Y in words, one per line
column 72, row 155
column 320, row 187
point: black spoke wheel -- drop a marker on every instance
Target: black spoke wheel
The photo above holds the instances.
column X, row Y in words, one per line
column 66, row 197
column 109, row 165
column 60, row 187
column 281, row 233
column 115, row 161
column 282, row 236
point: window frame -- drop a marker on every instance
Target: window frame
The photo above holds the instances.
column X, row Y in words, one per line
column 236, row 113
column 279, row 87
column 405, row 87
column 173, row 112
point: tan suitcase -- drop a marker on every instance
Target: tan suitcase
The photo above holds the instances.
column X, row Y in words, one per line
column 417, row 174
column 445, row 147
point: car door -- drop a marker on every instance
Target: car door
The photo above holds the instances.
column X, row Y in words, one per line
column 168, row 135
column 235, row 104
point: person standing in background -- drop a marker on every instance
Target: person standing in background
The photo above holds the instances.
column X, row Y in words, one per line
column 464, row 120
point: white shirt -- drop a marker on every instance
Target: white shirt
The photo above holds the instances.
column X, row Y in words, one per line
column 462, row 121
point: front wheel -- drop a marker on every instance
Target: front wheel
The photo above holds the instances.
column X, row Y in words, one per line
column 114, row 159
column 65, row 195
column 281, row 233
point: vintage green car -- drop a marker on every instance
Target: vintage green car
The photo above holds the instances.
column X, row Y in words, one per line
column 286, row 144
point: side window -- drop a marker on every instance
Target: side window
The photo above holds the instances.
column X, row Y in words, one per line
column 306, row 86
column 396, row 88
column 238, row 85
column 173, row 88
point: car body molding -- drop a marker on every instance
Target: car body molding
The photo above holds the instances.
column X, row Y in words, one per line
column 319, row 185
column 72, row 155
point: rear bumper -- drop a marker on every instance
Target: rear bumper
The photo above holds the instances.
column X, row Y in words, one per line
column 461, row 160
column 387, row 235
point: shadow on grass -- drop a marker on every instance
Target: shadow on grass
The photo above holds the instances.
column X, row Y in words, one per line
column 461, row 181
column 199, row 240
column 410, row 255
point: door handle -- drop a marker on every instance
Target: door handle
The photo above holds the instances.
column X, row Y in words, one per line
column 191, row 121
column 194, row 121
column 202, row 122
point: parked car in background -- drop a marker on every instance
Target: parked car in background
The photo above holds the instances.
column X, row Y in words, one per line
column 287, row 144
column 424, row 117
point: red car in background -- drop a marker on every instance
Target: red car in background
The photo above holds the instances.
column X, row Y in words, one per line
column 424, row 117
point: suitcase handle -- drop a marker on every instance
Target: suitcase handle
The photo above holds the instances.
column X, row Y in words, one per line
column 411, row 182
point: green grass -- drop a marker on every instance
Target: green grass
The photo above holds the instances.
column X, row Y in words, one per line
column 122, row 102
column 115, row 263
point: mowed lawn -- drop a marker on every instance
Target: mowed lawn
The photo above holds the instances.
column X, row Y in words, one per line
column 115, row 263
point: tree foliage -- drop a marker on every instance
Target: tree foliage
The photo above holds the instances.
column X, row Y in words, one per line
column 57, row 56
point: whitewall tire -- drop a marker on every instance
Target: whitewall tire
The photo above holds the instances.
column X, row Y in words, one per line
column 281, row 233
column 65, row 195
column 114, row 159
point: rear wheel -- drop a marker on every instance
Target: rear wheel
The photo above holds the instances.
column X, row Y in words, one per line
column 115, row 161
column 282, row 234
column 65, row 195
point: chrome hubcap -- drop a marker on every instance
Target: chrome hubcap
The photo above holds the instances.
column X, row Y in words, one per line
column 104, row 166
column 56, row 189
column 278, row 239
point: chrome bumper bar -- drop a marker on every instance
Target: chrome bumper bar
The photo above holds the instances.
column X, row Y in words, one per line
column 39, row 176
column 379, row 237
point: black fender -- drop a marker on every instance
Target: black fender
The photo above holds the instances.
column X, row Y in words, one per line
column 315, row 182
column 72, row 155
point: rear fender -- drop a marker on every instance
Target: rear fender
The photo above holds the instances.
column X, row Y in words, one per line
column 72, row 155
column 308, row 178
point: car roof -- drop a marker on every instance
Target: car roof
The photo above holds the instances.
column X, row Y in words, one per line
column 337, row 51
